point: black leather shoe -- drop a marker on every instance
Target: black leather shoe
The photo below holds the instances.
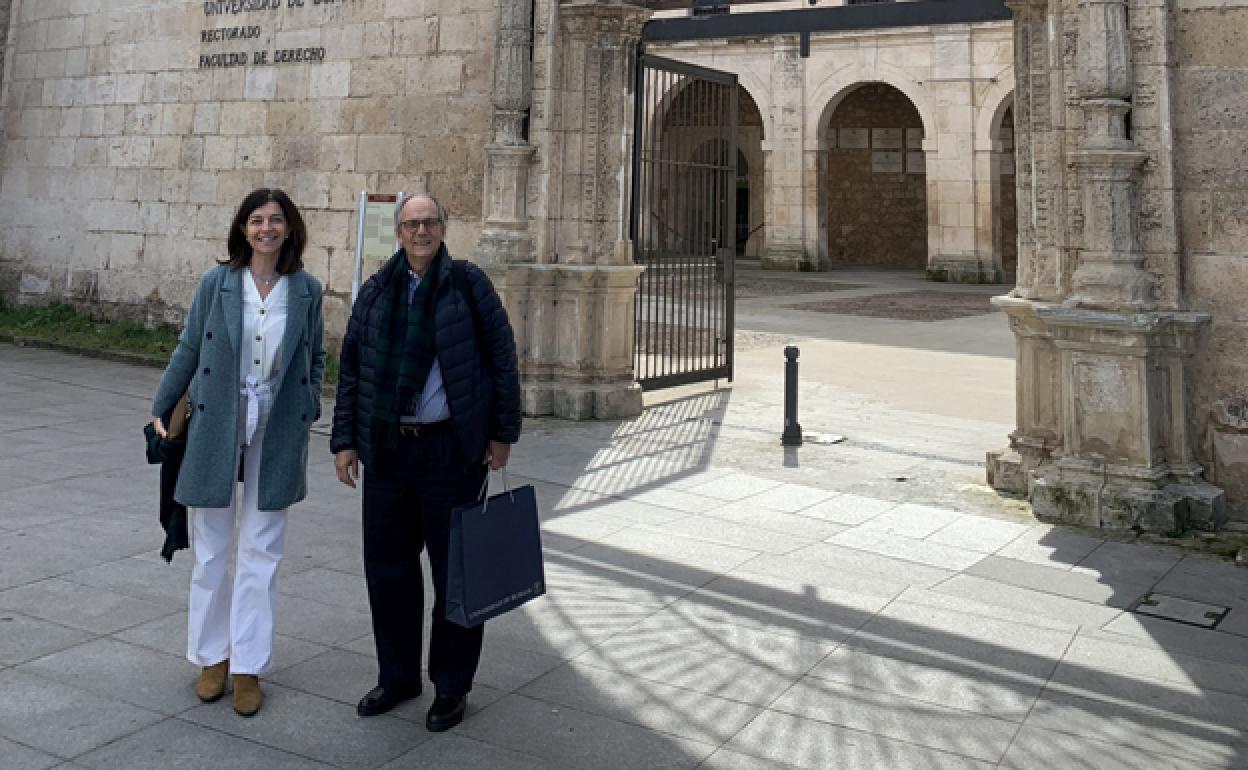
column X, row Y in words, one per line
column 381, row 699
column 446, row 712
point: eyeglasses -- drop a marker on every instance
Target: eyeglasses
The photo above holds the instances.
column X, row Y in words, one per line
column 414, row 225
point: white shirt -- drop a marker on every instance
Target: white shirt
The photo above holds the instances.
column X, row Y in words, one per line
column 264, row 322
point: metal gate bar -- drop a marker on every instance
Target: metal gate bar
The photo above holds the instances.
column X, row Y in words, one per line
column 683, row 220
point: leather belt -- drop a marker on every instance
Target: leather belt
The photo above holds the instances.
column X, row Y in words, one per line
column 414, row 429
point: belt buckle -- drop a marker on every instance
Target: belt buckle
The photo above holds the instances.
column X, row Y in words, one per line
column 409, row 429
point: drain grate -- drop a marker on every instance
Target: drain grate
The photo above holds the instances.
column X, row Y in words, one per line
column 1180, row 610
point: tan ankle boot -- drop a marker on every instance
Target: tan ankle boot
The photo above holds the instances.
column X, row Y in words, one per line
column 211, row 683
column 247, row 695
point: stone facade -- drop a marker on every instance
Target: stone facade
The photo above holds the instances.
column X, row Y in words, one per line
column 133, row 129
column 1131, row 364
column 957, row 78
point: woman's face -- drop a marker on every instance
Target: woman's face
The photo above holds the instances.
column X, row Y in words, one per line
column 266, row 229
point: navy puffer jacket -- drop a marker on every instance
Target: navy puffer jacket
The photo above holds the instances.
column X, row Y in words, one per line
column 482, row 385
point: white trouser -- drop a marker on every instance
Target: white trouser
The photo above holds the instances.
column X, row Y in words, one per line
column 234, row 618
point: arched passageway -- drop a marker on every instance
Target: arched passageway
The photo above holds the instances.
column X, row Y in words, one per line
column 750, row 204
column 1006, row 208
column 875, row 181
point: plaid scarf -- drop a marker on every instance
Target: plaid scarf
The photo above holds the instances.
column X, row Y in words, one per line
column 406, row 347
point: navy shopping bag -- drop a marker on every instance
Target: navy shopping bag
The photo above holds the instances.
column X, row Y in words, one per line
column 495, row 557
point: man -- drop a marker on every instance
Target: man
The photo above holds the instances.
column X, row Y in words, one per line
column 428, row 398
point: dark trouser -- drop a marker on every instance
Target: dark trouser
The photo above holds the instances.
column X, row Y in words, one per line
column 407, row 505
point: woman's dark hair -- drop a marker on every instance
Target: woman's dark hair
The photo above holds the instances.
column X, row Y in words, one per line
column 290, row 258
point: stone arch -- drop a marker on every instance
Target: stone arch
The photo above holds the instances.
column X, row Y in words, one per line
column 995, row 100
column 872, row 180
column 844, row 81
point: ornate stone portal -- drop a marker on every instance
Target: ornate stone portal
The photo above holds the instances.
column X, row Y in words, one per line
column 1102, row 437
column 570, row 297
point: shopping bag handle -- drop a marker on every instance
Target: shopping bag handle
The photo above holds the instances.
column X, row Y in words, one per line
column 485, row 486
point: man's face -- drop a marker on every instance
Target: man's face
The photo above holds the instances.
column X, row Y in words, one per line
column 420, row 231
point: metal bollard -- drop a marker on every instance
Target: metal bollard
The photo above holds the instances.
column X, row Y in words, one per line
column 792, row 435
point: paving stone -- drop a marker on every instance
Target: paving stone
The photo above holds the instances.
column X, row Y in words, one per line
column 874, row 587
column 1156, row 664
column 1034, row 747
column 772, row 645
column 321, row 623
column 24, row 638
column 977, row 533
column 145, row 678
column 913, row 520
column 62, row 720
column 654, row 705
column 327, row 586
column 735, row 486
column 716, row 530
column 793, row 524
column 316, row 728
column 712, row 557
column 14, row 756
column 780, row 605
column 905, row 548
column 583, row 525
column 455, row 752
column 966, row 733
column 565, row 624
column 726, row 759
column 725, row 676
column 858, row 561
column 567, row 737
column 186, row 746
column 1066, row 610
column 1084, row 585
column 1050, row 546
column 85, row 607
column 1214, row 582
column 1168, row 635
column 972, row 606
column 984, row 688
column 790, row 498
column 168, row 635
column 808, row 743
column 1128, row 563
column 1144, row 729
column 141, row 578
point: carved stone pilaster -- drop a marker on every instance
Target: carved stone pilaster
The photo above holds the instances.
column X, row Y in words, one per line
column 573, row 308
column 594, row 130
column 1111, row 274
column 505, row 231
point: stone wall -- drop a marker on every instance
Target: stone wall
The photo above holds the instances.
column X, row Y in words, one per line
column 876, row 204
column 132, row 130
column 1210, row 130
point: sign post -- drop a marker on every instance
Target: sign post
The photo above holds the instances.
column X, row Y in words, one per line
column 374, row 235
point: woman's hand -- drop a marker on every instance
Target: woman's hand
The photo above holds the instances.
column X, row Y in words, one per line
column 159, row 426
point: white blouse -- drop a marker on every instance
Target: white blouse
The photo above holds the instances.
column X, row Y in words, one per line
column 264, row 322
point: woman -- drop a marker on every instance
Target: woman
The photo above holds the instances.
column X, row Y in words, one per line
column 252, row 358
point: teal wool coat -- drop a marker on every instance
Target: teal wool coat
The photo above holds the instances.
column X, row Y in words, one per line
column 207, row 361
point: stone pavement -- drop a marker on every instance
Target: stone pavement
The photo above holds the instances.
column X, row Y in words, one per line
column 714, row 600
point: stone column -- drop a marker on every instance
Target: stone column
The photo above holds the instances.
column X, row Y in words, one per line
column 1110, row 274
column 505, row 234
column 1103, row 374
column 988, row 234
column 784, row 218
column 574, row 307
column 953, row 252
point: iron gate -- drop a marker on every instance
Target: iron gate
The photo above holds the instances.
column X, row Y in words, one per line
column 683, row 221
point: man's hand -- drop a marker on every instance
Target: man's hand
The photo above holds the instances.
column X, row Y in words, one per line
column 496, row 454
column 159, row 425
column 347, row 466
